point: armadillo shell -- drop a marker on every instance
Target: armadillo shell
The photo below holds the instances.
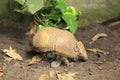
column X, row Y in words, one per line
column 53, row 39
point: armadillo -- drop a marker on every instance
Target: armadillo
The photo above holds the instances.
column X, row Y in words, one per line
column 61, row 41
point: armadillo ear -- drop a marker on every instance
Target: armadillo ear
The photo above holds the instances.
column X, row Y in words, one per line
column 82, row 50
column 79, row 44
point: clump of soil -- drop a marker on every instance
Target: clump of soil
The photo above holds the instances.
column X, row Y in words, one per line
column 98, row 67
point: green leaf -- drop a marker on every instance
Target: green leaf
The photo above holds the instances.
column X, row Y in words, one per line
column 34, row 5
column 29, row 6
column 61, row 4
column 39, row 27
column 72, row 10
column 20, row 1
column 71, row 21
column 55, row 15
column 23, row 10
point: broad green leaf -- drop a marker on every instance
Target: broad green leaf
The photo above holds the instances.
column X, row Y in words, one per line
column 61, row 4
column 20, row 1
column 71, row 21
column 34, row 5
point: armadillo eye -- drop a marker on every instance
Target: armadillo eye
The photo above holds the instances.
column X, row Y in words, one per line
column 80, row 55
column 76, row 49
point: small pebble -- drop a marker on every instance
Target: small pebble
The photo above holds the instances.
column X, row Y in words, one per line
column 55, row 64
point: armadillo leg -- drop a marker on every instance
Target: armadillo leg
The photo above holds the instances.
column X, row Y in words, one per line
column 66, row 61
column 63, row 59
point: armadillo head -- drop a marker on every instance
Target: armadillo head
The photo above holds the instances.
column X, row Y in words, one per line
column 81, row 51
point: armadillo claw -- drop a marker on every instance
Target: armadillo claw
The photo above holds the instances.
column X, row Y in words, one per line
column 66, row 61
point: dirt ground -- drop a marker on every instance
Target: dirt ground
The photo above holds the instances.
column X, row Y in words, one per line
column 98, row 66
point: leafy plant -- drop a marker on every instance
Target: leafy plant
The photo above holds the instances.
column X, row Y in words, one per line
column 53, row 13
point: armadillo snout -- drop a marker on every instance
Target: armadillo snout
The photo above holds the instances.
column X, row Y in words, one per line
column 82, row 51
column 83, row 58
